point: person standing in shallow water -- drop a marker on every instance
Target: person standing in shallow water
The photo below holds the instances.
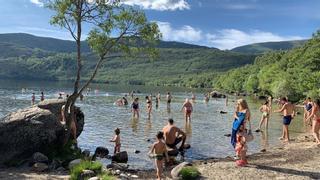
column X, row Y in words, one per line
column 42, row 96
column 288, row 113
column 315, row 114
column 135, row 108
column 187, row 107
column 149, row 105
column 265, row 116
column 33, row 99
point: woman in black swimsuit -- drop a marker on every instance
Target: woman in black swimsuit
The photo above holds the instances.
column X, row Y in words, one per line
column 135, row 107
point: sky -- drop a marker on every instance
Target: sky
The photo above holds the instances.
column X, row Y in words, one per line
column 223, row 24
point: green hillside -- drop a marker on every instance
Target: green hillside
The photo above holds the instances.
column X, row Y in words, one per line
column 259, row 48
column 294, row 73
column 24, row 56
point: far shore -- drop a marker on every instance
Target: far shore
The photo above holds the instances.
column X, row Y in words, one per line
column 297, row 160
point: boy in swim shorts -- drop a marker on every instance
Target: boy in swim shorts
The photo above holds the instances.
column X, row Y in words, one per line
column 288, row 113
column 160, row 151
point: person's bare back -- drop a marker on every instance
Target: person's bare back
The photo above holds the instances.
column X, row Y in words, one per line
column 170, row 132
column 288, row 109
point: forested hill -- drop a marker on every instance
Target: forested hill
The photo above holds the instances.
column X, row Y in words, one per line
column 24, row 56
column 294, row 73
column 58, row 45
column 259, row 48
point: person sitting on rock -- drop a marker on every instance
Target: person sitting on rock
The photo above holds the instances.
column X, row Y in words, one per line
column 159, row 150
column 173, row 135
column 116, row 140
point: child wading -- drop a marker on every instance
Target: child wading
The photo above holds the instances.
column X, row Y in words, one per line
column 116, row 140
column 160, row 152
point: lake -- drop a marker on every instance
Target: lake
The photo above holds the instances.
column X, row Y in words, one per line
column 205, row 134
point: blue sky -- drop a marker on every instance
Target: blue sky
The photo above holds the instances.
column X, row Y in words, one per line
column 224, row 24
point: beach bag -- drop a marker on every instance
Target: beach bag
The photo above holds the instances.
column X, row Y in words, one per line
column 249, row 137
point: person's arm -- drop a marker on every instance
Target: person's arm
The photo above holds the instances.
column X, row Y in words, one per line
column 280, row 110
column 180, row 132
column 182, row 106
column 151, row 149
column 113, row 139
column 293, row 110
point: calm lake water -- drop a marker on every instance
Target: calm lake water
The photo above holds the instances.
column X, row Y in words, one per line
column 205, row 134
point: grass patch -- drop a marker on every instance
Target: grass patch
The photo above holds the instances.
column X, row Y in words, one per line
column 89, row 165
column 189, row 173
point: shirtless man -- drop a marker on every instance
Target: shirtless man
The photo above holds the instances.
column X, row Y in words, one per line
column 173, row 135
column 187, row 106
column 288, row 114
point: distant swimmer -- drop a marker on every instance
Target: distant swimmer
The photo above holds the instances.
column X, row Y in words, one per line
column 187, row 106
column 206, row 98
column 119, row 102
column 60, row 96
column 135, row 107
column 42, row 96
column 124, row 100
column 33, row 99
column 288, row 111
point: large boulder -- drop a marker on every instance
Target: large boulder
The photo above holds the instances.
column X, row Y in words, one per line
column 121, row 157
column 34, row 129
column 216, row 94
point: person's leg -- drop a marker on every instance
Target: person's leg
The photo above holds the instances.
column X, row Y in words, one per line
column 137, row 113
column 115, row 149
column 159, row 164
column 315, row 131
column 283, row 132
column 287, row 133
column 183, row 142
column 266, row 122
column 261, row 121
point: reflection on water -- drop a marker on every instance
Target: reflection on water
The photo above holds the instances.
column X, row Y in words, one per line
column 205, row 132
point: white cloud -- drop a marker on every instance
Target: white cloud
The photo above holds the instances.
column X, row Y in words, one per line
column 231, row 38
column 37, row 2
column 161, row 5
column 185, row 34
column 240, row 6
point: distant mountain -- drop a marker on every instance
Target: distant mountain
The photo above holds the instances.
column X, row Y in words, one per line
column 259, row 48
column 58, row 45
column 24, row 56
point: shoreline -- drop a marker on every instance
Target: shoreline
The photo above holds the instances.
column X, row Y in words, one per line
column 297, row 160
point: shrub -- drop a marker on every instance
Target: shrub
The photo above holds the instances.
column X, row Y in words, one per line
column 189, row 173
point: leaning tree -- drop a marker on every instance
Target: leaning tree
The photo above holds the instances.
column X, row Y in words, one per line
column 116, row 30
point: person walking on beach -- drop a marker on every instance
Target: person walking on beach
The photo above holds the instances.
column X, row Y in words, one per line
column 42, row 96
column 149, row 105
column 33, row 99
column 135, row 107
column 173, row 135
column 288, row 113
column 159, row 150
column 158, row 97
column 265, row 115
column 187, row 107
column 116, row 140
column 239, row 135
column 315, row 114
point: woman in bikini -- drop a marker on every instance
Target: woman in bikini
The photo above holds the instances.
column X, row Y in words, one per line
column 149, row 105
column 265, row 109
column 315, row 113
column 307, row 110
column 159, row 151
